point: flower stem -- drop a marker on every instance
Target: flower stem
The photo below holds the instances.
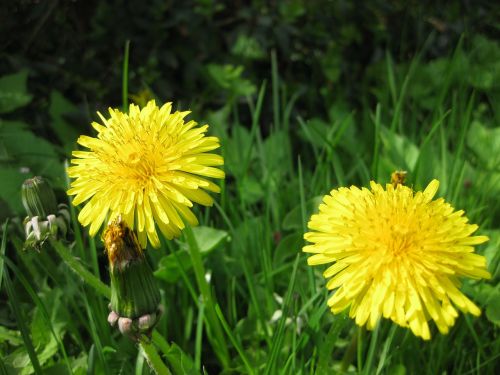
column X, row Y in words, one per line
column 152, row 357
column 350, row 353
column 218, row 341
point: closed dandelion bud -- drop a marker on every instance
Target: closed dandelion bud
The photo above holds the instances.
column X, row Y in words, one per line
column 135, row 296
column 38, row 197
column 45, row 217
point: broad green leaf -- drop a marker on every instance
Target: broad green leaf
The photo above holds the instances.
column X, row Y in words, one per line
column 168, row 266
column 398, row 369
column 288, row 248
column 59, row 107
column 236, row 149
column 13, row 92
column 229, row 78
column 398, row 151
column 32, row 153
column 485, row 142
column 293, row 219
column 209, row 238
column 250, row 190
column 10, row 189
column 20, row 361
column 484, row 64
column 277, row 150
column 10, row 336
column 247, row 47
column 181, row 363
column 493, row 308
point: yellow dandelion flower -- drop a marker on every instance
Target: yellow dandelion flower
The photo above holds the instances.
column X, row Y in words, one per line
column 148, row 166
column 396, row 254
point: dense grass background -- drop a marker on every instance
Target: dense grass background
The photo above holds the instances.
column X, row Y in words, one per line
column 305, row 98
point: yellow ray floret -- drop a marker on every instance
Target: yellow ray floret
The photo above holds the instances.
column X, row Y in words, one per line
column 395, row 254
column 149, row 166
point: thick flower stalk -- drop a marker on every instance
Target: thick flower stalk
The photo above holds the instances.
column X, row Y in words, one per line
column 397, row 254
column 148, row 166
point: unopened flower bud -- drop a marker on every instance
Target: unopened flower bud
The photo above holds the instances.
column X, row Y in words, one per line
column 135, row 296
column 45, row 217
column 38, row 198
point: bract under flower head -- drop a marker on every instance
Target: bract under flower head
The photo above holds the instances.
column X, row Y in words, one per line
column 148, row 166
column 396, row 254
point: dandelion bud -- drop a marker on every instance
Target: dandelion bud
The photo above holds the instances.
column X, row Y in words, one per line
column 45, row 217
column 135, row 296
column 38, row 197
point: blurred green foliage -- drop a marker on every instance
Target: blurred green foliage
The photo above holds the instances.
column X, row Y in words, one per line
column 305, row 96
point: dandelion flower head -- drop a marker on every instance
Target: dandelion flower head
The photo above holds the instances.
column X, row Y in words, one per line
column 149, row 166
column 397, row 254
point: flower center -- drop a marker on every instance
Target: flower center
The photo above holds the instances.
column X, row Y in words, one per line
column 399, row 239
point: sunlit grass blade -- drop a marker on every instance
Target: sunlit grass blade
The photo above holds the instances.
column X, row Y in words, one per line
column 385, row 353
column 367, row 368
column 279, row 334
column 218, row 340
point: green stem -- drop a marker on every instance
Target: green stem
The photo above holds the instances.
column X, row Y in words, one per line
column 151, row 355
column 125, row 77
column 350, row 353
column 219, row 341
column 160, row 342
column 79, row 269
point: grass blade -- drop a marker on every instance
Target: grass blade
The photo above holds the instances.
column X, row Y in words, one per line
column 21, row 322
column 125, row 77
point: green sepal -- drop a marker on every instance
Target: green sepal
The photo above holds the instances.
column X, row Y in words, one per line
column 134, row 291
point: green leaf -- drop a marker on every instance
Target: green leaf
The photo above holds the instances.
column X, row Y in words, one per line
column 169, row 266
column 293, row 219
column 484, row 68
column 10, row 336
column 13, row 92
column 493, row 308
column 250, row 190
column 485, row 142
column 399, row 152
column 10, row 188
column 277, row 150
column 181, row 363
column 287, row 248
column 236, row 148
column 27, row 150
column 229, row 78
column 59, row 107
column 209, row 238
column 398, row 369
column 491, row 252
column 247, row 47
